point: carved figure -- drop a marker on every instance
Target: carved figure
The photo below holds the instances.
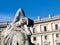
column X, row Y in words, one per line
column 17, row 32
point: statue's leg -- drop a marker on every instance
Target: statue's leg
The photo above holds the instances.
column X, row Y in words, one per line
column 21, row 40
column 18, row 39
column 26, row 42
column 2, row 41
column 14, row 43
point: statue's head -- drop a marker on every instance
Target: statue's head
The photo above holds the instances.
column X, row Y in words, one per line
column 28, row 21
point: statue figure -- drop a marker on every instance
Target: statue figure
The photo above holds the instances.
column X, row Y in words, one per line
column 18, row 31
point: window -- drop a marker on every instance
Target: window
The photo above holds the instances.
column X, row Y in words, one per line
column 45, row 29
column 56, row 26
column 57, row 35
column 33, row 30
column 57, row 43
column 34, row 38
column 46, row 37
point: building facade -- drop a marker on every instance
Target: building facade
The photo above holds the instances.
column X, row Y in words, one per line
column 46, row 31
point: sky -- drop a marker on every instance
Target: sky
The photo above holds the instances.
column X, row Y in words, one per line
column 32, row 8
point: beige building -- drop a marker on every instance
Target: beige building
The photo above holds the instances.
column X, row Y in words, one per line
column 46, row 31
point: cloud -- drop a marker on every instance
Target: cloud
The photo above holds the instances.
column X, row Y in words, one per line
column 6, row 17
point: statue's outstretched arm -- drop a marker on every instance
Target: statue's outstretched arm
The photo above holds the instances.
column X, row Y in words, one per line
column 17, row 16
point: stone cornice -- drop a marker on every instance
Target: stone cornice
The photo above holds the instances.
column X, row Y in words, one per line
column 44, row 21
column 54, row 18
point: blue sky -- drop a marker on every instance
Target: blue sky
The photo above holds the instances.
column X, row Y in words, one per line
column 32, row 8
